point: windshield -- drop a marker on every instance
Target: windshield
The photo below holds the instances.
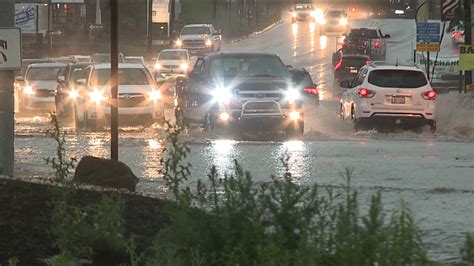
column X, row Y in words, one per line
column 248, row 66
column 397, row 79
column 173, row 55
column 363, row 33
column 43, row 73
column 105, row 58
column 76, row 73
column 195, row 30
column 127, row 76
column 336, row 13
column 134, row 60
column 357, row 62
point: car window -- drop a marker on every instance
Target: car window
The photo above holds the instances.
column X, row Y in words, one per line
column 357, row 62
column 360, row 78
column 173, row 55
column 195, row 30
column 398, row 79
column 127, row 76
column 248, row 66
column 363, row 33
column 199, row 65
column 43, row 73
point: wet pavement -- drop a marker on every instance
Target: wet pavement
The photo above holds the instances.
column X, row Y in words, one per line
column 432, row 173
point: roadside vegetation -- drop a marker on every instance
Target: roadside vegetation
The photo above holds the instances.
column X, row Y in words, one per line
column 231, row 220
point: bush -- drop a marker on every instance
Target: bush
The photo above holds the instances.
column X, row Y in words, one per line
column 233, row 221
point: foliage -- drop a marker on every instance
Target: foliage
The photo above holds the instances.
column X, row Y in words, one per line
column 231, row 220
column 14, row 261
column 60, row 163
column 467, row 251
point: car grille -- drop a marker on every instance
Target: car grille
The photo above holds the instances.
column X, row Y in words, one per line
column 170, row 66
column 193, row 43
column 259, row 94
column 44, row 93
column 261, row 108
column 132, row 100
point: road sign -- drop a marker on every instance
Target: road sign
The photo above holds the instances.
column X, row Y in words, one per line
column 10, row 48
column 95, row 26
column 56, row 33
column 428, row 37
column 466, row 57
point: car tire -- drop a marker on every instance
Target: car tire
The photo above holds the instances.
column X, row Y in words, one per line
column 432, row 125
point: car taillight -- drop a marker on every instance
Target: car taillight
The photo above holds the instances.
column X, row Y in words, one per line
column 457, row 34
column 366, row 93
column 429, row 95
column 311, row 90
column 339, row 64
column 377, row 44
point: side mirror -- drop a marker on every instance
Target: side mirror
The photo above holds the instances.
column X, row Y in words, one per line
column 387, row 36
column 61, row 79
column 19, row 78
column 345, row 84
column 81, row 82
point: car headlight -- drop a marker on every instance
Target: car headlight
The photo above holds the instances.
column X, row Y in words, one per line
column 184, row 66
column 28, row 90
column 73, row 94
column 293, row 14
column 179, row 43
column 154, row 95
column 322, row 21
column 97, row 96
column 292, row 95
column 157, row 66
column 343, row 21
column 222, row 95
column 208, row 43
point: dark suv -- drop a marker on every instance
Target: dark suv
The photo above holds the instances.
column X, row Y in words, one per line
column 347, row 67
column 241, row 91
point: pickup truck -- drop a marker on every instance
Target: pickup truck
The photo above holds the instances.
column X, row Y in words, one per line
column 199, row 38
column 367, row 41
column 242, row 92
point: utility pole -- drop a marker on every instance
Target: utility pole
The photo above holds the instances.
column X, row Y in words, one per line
column 7, row 118
column 468, row 36
column 48, row 33
column 150, row 27
column 172, row 18
column 114, row 79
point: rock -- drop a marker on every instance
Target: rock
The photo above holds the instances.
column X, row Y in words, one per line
column 104, row 172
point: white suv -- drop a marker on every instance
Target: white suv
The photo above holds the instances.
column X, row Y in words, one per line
column 138, row 97
column 389, row 93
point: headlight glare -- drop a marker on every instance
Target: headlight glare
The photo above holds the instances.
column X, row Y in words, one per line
column 97, row 96
column 73, row 94
column 343, row 21
column 184, row 66
column 208, row 43
column 157, row 66
column 179, row 43
column 154, row 95
column 222, row 95
column 292, row 95
column 28, row 90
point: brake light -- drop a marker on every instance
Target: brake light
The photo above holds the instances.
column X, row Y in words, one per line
column 339, row 64
column 377, row 44
column 312, row 91
column 366, row 93
column 429, row 95
column 457, row 34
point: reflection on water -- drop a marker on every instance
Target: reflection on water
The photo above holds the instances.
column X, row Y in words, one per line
column 151, row 162
column 223, row 153
column 96, row 147
column 296, row 151
column 294, row 29
column 312, row 27
column 323, row 42
column 153, row 144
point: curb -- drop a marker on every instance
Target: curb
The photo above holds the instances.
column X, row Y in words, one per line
column 271, row 26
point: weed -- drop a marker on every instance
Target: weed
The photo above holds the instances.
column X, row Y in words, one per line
column 60, row 163
column 467, row 251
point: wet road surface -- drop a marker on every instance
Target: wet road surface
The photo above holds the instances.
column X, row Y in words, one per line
column 432, row 173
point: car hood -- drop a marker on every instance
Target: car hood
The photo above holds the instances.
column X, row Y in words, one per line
column 42, row 84
column 194, row 37
column 124, row 89
column 257, row 83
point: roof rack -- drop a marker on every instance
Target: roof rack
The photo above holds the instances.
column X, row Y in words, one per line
column 391, row 63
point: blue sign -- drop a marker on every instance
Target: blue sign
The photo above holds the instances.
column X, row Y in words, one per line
column 428, row 32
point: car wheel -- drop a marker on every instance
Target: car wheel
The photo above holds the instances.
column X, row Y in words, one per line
column 432, row 125
column 358, row 125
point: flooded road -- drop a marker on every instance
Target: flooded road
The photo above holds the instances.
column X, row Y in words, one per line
column 434, row 174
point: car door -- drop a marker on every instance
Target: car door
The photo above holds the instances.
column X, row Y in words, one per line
column 352, row 93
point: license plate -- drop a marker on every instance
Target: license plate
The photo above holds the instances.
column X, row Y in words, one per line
column 398, row 100
column 353, row 71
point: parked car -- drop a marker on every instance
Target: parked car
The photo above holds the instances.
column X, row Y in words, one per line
column 105, row 58
column 200, row 38
column 241, row 92
column 39, row 88
column 135, row 60
column 138, row 97
column 394, row 94
column 66, row 91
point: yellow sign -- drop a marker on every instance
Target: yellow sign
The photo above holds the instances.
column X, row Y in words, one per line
column 466, row 57
column 427, row 47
